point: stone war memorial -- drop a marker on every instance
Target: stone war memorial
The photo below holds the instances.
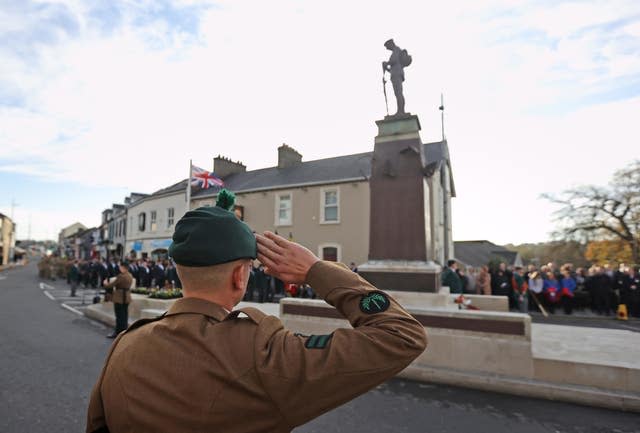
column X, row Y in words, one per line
column 411, row 188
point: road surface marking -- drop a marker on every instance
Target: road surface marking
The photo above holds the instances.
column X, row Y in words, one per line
column 49, row 295
column 46, row 286
column 73, row 310
column 3, row 277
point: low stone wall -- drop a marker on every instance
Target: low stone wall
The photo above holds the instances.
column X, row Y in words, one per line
column 490, row 351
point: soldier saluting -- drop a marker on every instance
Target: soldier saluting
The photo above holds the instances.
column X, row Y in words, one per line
column 202, row 367
column 398, row 60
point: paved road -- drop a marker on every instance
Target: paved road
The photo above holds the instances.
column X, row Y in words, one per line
column 51, row 357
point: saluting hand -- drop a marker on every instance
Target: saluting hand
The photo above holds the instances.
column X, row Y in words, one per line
column 285, row 260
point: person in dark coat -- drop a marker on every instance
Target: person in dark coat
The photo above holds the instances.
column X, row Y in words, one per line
column 261, row 283
column 113, row 268
column 93, row 273
column 134, row 271
column 85, row 273
column 172, row 276
column 159, row 275
column 74, row 277
column 501, row 282
column 103, row 271
column 602, row 286
column 450, row 277
column 144, row 274
column 634, row 292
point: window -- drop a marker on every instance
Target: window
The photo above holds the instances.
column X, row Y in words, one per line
column 142, row 219
column 329, row 206
column 170, row 213
column 283, row 209
column 330, row 252
column 153, row 224
column 130, row 221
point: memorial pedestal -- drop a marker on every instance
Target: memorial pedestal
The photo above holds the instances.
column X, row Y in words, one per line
column 402, row 275
column 400, row 237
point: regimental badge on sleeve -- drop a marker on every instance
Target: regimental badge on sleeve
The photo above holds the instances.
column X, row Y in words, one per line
column 374, row 302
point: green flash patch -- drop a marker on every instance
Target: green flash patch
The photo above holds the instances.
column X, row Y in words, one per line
column 374, row 302
column 318, row 341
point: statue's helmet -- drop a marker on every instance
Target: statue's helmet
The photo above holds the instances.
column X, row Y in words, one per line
column 389, row 43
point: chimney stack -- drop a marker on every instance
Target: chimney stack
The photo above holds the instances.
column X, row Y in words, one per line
column 288, row 156
column 223, row 167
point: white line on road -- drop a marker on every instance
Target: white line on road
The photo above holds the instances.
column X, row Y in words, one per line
column 46, row 286
column 73, row 310
column 3, row 277
column 49, row 295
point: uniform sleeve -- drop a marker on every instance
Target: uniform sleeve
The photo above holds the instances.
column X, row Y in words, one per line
column 96, row 422
column 307, row 376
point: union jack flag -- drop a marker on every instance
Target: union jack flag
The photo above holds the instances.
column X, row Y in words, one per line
column 203, row 178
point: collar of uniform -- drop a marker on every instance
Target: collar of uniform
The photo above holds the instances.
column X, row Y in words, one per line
column 198, row 306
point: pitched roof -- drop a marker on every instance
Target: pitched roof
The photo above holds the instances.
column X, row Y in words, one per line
column 321, row 171
column 178, row 186
column 479, row 253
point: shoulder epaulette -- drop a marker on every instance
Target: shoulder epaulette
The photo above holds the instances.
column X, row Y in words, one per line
column 253, row 313
column 142, row 322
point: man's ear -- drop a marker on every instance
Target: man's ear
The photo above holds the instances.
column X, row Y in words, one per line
column 240, row 277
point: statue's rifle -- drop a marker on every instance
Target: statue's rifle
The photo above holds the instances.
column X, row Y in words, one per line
column 384, row 89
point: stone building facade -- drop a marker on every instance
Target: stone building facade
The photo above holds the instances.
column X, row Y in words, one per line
column 7, row 239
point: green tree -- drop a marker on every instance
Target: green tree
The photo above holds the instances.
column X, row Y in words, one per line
column 603, row 213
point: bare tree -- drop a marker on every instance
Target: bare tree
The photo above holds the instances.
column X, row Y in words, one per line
column 595, row 212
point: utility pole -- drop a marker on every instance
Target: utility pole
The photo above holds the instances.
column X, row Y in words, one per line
column 441, row 108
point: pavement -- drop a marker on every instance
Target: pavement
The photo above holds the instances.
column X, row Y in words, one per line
column 51, row 357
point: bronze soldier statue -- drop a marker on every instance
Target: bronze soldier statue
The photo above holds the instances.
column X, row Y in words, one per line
column 398, row 60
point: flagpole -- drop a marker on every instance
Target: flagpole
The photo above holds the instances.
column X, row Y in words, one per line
column 189, row 187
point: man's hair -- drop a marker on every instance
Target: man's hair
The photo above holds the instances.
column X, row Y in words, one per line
column 206, row 277
column 450, row 263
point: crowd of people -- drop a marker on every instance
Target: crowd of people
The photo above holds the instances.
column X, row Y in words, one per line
column 600, row 288
column 157, row 274
column 263, row 287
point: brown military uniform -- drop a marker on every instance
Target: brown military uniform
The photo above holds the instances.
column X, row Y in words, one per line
column 199, row 369
column 121, row 286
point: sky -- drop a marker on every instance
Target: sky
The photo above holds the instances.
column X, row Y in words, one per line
column 100, row 99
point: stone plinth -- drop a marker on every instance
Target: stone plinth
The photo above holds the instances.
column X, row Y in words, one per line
column 402, row 275
column 400, row 241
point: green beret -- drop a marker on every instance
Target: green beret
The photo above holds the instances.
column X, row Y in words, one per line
column 212, row 235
